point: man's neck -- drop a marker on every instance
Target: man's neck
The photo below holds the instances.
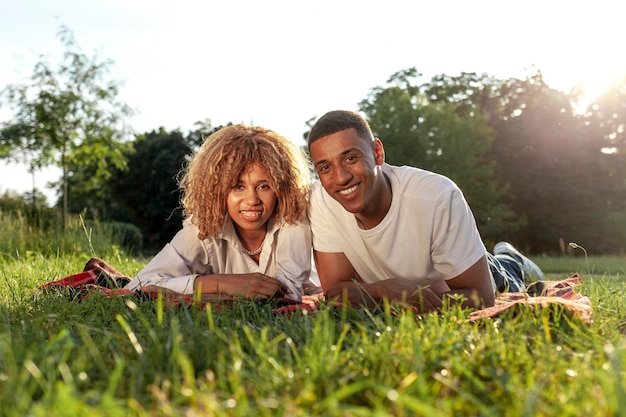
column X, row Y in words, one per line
column 379, row 206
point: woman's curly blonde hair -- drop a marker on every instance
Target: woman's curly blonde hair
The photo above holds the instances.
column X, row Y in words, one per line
column 227, row 153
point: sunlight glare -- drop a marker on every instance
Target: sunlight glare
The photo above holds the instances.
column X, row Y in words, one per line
column 583, row 56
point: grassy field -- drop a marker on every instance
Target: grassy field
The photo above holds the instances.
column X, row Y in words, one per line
column 124, row 357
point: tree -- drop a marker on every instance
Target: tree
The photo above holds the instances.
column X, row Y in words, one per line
column 440, row 137
column 90, row 182
column 147, row 195
column 605, row 126
column 17, row 145
column 554, row 163
column 203, row 129
column 561, row 178
column 608, row 112
column 69, row 116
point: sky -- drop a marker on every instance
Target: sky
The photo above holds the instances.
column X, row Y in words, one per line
column 278, row 64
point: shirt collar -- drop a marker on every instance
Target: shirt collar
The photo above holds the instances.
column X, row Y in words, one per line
column 229, row 234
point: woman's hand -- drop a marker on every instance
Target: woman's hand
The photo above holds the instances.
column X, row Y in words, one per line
column 255, row 285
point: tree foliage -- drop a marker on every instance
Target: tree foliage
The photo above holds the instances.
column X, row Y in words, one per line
column 440, row 137
column 147, row 195
column 608, row 115
column 533, row 170
column 69, row 116
column 559, row 176
column 144, row 191
column 203, row 129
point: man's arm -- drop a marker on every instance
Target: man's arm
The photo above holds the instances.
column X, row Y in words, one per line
column 334, row 269
column 339, row 280
column 474, row 284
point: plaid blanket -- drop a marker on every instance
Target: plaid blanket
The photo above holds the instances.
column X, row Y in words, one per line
column 98, row 276
column 541, row 295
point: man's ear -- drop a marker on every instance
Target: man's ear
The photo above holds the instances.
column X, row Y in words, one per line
column 379, row 152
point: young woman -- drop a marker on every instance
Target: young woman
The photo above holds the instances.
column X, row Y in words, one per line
column 245, row 232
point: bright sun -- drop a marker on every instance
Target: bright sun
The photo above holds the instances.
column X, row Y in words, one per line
column 589, row 81
column 578, row 47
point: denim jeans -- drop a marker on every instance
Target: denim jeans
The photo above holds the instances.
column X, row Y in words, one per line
column 506, row 269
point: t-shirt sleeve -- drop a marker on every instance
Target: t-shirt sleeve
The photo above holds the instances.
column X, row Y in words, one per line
column 320, row 215
column 456, row 244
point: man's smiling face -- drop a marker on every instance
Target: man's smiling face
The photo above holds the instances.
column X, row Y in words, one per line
column 348, row 168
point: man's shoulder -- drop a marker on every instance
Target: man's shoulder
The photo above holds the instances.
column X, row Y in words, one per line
column 323, row 209
column 413, row 179
column 317, row 194
column 316, row 187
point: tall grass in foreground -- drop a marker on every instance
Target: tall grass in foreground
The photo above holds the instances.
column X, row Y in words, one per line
column 120, row 356
column 125, row 357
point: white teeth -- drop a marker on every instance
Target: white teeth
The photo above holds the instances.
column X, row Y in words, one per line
column 250, row 213
column 348, row 191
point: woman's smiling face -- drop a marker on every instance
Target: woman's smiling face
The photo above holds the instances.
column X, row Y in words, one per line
column 251, row 202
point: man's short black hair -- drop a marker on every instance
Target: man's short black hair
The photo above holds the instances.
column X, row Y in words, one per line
column 337, row 120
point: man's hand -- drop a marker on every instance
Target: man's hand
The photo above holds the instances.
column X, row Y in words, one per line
column 352, row 293
column 405, row 291
column 393, row 290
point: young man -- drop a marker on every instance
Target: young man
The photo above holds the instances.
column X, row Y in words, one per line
column 397, row 233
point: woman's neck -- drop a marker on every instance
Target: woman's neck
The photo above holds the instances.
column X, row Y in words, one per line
column 252, row 240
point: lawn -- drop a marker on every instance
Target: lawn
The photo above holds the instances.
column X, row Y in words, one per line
column 106, row 357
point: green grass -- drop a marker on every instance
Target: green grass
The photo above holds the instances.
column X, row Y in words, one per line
column 594, row 265
column 24, row 237
column 110, row 357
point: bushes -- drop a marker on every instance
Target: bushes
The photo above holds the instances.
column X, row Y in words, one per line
column 125, row 234
column 40, row 215
column 25, row 234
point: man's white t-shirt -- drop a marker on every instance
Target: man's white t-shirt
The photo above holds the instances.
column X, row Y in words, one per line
column 429, row 234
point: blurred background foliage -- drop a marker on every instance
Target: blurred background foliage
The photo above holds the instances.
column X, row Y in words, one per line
column 539, row 167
